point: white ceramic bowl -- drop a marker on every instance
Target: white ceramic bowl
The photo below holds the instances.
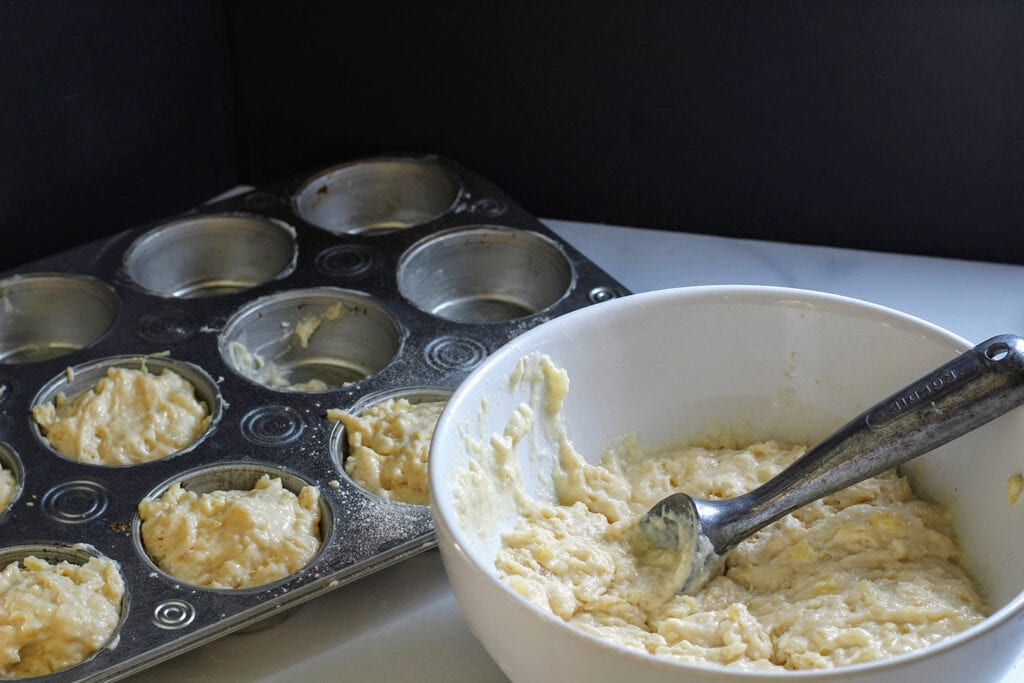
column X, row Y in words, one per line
column 790, row 364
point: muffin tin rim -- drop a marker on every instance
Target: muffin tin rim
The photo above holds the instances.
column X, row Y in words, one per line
column 251, row 307
column 152, row 230
column 430, row 161
column 485, row 227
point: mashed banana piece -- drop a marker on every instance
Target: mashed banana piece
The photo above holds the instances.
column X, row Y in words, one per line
column 311, row 323
column 389, row 445
column 866, row 573
column 8, row 488
column 53, row 616
column 232, row 539
column 1014, row 486
column 129, row 417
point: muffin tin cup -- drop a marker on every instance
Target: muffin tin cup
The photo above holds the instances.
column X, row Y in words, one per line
column 338, row 444
column 233, row 476
column 484, row 274
column 77, row 554
column 48, row 315
column 211, row 255
column 146, row 296
column 10, row 462
column 332, row 336
column 77, row 379
column 378, row 195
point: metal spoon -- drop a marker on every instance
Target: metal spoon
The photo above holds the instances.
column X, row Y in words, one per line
column 974, row 388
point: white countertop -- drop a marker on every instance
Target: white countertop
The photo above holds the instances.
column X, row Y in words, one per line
column 402, row 624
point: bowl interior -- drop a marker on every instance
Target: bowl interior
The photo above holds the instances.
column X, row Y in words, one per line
column 757, row 362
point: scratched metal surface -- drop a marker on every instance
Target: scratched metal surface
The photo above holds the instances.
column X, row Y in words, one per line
column 259, row 428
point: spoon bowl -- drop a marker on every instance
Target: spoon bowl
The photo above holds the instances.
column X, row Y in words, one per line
column 722, row 362
column 960, row 396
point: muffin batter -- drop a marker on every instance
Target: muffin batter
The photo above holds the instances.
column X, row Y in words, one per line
column 55, row 616
column 8, row 488
column 232, row 539
column 866, row 573
column 129, row 417
column 389, row 444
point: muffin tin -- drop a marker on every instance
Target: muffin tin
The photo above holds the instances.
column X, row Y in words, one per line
column 381, row 277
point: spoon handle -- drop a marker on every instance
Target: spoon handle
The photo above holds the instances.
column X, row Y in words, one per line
column 972, row 389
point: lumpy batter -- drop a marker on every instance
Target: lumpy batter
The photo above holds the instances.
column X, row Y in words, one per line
column 232, row 539
column 53, row 616
column 129, row 417
column 866, row 573
column 389, row 445
column 8, row 488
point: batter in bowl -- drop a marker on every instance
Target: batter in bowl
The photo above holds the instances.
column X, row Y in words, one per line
column 389, row 445
column 129, row 417
column 232, row 539
column 53, row 616
column 866, row 573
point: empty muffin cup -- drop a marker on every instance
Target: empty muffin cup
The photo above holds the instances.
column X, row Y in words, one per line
column 74, row 414
column 248, row 533
column 211, row 255
column 484, row 274
column 376, row 195
column 12, row 474
column 48, row 315
column 382, row 443
column 310, row 339
column 74, row 598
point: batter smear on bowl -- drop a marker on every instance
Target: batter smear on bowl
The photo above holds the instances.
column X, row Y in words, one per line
column 866, row 573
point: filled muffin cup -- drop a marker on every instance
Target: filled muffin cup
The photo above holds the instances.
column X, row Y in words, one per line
column 78, row 405
column 82, row 589
column 390, row 458
column 174, row 498
column 12, row 478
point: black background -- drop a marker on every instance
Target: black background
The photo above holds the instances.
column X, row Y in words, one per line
column 885, row 125
column 112, row 114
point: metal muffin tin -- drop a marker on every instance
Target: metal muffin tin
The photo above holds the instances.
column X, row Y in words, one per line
column 428, row 268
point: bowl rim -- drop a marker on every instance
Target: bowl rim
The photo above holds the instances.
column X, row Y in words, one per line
column 448, row 529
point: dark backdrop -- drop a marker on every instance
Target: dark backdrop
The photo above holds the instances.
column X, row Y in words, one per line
column 113, row 113
column 887, row 125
